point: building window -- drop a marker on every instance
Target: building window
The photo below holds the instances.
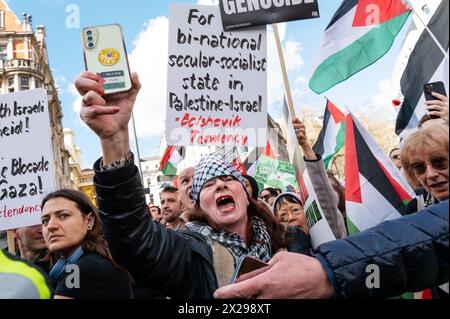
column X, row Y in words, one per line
column 63, row 166
column 38, row 84
column 3, row 52
column 2, row 19
column 24, row 83
column 11, row 84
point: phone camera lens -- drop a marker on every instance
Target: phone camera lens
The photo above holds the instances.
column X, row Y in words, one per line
column 91, row 45
column 89, row 32
column 90, row 38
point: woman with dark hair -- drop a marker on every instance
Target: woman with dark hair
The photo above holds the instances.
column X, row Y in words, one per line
column 288, row 210
column 269, row 194
column 227, row 225
column 252, row 186
column 82, row 266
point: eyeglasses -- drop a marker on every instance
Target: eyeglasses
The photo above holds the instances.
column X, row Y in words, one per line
column 438, row 164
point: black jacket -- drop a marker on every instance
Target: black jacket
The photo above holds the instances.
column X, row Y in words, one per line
column 177, row 264
column 411, row 254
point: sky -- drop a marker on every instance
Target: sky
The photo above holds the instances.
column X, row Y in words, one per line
column 146, row 25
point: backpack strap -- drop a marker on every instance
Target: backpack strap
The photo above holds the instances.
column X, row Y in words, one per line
column 223, row 262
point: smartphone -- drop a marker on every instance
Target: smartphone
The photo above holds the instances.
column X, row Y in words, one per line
column 105, row 54
column 247, row 265
column 437, row 87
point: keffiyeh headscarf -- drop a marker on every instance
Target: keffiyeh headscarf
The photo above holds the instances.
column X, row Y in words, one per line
column 261, row 250
column 210, row 167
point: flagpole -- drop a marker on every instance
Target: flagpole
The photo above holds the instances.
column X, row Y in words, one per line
column 410, row 5
column 137, row 149
column 290, row 101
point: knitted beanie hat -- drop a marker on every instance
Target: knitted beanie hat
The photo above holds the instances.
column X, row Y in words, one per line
column 210, row 167
column 295, row 196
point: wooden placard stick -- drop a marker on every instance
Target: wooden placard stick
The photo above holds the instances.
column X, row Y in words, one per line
column 11, row 244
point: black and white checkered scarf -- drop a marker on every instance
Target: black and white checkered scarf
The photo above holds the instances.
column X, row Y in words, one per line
column 262, row 250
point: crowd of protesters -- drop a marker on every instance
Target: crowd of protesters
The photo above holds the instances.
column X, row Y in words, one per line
column 190, row 246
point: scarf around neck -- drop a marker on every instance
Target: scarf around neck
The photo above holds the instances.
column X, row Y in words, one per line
column 261, row 250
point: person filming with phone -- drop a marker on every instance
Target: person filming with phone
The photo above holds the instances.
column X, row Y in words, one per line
column 436, row 104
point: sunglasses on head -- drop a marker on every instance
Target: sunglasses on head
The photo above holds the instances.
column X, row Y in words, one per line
column 439, row 164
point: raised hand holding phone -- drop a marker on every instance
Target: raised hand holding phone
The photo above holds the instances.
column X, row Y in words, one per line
column 105, row 54
column 436, row 100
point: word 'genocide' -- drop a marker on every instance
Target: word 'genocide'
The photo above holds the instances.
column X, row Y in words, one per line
column 240, row 6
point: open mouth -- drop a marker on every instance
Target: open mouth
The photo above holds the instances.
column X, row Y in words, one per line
column 226, row 204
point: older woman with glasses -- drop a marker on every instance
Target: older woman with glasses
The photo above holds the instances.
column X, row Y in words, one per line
column 425, row 160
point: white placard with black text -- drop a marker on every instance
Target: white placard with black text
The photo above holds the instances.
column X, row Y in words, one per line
column 217, row 81
column 27, row 171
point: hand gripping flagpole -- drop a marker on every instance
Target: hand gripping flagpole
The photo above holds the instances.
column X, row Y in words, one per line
column 409, row 4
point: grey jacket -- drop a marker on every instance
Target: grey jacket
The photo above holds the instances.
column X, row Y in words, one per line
column 326, row 196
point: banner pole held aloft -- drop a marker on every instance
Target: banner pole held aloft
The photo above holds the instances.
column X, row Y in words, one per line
column 290, row 102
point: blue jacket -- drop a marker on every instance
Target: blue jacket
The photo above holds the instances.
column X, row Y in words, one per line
column 411, row 254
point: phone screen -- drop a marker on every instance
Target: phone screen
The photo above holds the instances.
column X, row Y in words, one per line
column 247, row 265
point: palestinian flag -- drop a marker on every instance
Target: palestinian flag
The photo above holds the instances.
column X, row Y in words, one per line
column 172, row 157
column 269, row 152
column 251, row 162
column 295, row 152
column 375, row 190
column 332, row 137
column 426, row 64
column 359, row 34
column 231, row 155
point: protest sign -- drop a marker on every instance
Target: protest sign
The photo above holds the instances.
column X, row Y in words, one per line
column 246, row 13
column 319, row 229
column 217, row 81
column 26, row 158
column 276, row 173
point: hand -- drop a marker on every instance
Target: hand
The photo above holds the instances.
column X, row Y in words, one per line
column 108, row 117
column 300, row 132
column 438, row 107
column 302, row 138
column 291, row 276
